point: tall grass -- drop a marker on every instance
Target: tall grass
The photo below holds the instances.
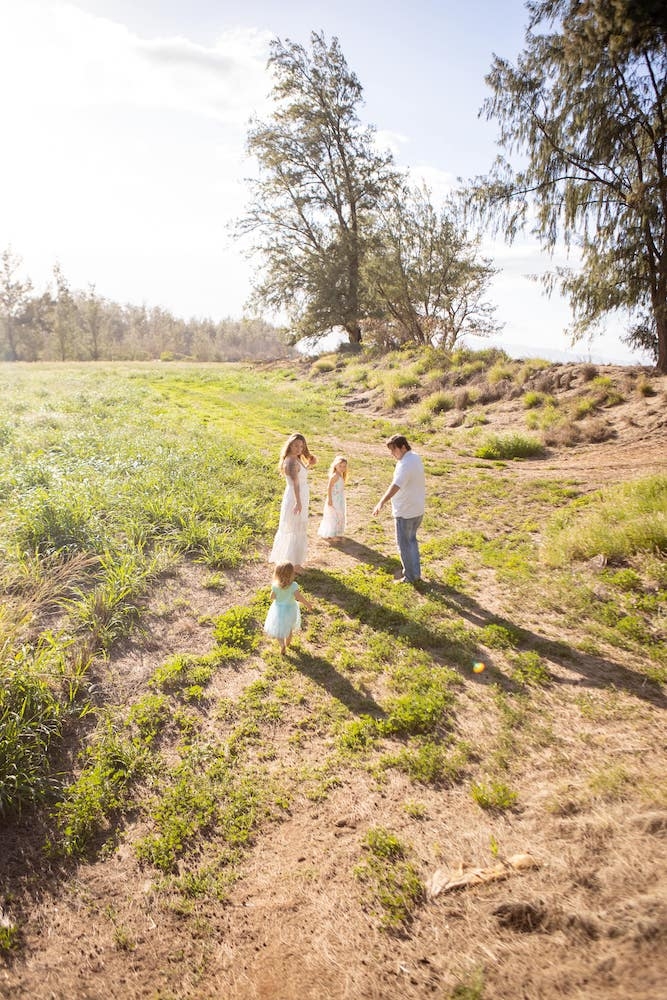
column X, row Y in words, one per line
column 505, row 446
column 32, row 707
column 107, row 474
column 617, row 523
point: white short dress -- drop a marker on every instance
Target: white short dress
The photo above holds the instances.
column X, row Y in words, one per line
column 291, row 540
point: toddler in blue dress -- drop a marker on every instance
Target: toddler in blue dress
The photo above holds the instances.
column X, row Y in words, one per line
column 284, row 615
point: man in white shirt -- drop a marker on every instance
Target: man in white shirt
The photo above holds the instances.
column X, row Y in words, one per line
column 407, row 493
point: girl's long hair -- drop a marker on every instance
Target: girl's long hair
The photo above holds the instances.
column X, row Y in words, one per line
column 304, row 457
column 283, row 574
column 332, row 468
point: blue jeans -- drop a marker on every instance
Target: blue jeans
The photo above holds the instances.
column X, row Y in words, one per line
column 406, row 540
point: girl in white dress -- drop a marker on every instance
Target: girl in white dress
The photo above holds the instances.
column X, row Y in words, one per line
column 291, row 540
column 333, row 519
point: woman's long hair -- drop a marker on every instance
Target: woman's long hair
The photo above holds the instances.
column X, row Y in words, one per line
column 305, row 455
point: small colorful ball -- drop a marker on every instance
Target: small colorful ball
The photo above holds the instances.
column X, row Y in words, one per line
column 477, row 668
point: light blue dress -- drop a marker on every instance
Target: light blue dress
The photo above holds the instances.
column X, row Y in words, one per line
column 284, row 614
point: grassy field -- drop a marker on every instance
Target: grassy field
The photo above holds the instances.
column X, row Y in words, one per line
column 455, row 791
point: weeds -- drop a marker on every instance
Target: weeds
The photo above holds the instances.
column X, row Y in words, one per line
column 32, row 711
column 110, row 766
column 502, row 447
column 393, row 887
column 616, row 523
column 495, row 797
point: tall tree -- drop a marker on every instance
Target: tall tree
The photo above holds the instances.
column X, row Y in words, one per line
column 587, row 106
column 65, row 315
column 94, row 320
column 320, row 182
column 426, row 274
column 14, row 299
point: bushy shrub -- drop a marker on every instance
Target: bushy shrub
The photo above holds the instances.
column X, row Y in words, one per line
column 509, row 446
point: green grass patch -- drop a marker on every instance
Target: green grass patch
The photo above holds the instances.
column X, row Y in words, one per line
column 501, row 447
column 392, row 885
column 495, row 796
column 617, row 523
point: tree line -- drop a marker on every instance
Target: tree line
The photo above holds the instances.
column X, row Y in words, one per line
column 343, row 239
column 64, row 324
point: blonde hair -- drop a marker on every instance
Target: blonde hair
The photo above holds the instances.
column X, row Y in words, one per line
column 283, row 574
column 305, row 455
column 332, row 468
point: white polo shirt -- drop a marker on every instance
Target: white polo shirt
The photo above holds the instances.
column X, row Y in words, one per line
column 411, row 481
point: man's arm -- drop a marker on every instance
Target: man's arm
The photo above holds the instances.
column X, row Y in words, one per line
column 391, row 492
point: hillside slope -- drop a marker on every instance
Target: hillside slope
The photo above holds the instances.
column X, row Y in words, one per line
column 370, row 817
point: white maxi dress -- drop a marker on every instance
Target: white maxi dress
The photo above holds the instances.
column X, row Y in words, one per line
column 291, row 541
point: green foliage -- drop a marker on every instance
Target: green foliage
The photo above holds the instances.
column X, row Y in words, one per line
column 586, row 172
column 185, row 808
column 207, row 790
column 532, row 399
column 495, row 797
column 46, row 524
column 110, row 765
column 425, row 276
column 528, row 668
column 393, row 887
column 437, row 402
column 111, row 609
column 472, row 989
column 501, row 447
column 415, row 810
column 31, row 717
column 10, row 936
column 236, row 629
column 498, row 636
column 644, row 386
column 320, row 178
column 421, row 707
column 430, row 763
column 360, row 734
column 181, row 672
column 624, row 579
column 149, row 716
column 617, row 522
column 499, row 372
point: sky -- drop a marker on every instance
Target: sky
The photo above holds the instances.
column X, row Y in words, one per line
column 125, row 123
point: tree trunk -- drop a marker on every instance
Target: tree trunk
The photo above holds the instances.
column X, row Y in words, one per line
column 11, row 338
column 353, row 331
column 661, row 330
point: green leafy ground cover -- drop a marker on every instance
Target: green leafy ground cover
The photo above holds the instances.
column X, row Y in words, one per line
column 207, row 768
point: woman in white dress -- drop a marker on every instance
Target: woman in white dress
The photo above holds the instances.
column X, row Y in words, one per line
column 291, row 541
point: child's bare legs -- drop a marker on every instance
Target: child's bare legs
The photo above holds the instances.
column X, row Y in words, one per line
column 284, row 643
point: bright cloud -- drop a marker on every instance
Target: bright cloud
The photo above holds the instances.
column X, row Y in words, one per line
column 128, row 154
column 76, row 59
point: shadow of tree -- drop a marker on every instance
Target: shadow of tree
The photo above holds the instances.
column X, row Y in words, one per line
column 460, row 651
column 594, row 671
column 326, row 676
column 453, row 650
